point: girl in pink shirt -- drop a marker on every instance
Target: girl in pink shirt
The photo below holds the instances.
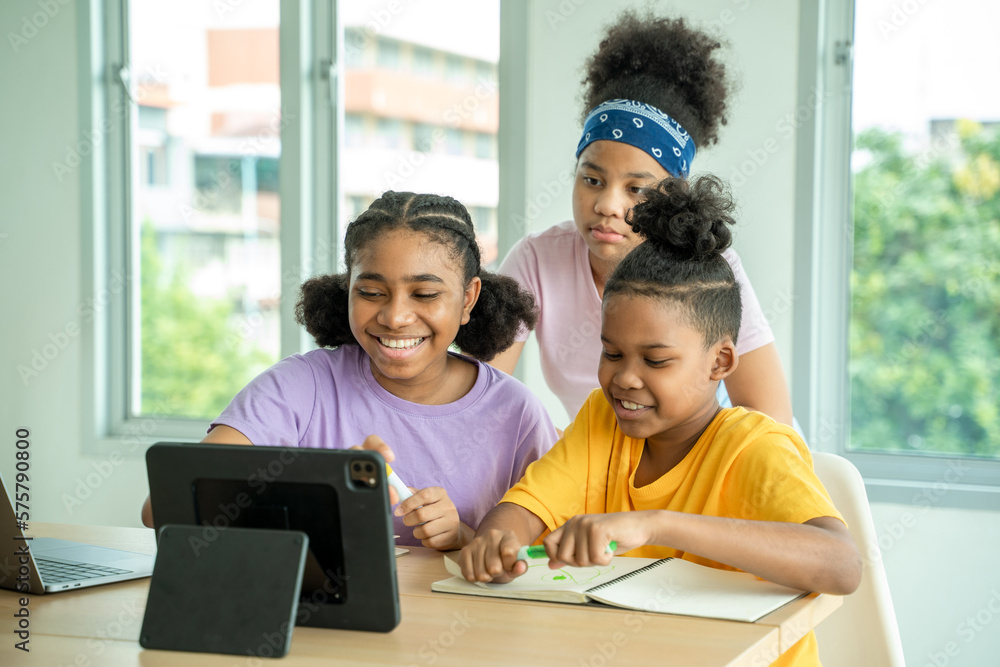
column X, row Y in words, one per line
column 654, row 91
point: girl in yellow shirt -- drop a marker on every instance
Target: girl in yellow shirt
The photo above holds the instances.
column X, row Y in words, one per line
column 651, row 460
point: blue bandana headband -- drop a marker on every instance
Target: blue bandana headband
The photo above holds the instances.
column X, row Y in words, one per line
column 643, row 126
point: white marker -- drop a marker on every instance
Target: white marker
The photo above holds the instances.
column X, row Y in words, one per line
column 396, row 483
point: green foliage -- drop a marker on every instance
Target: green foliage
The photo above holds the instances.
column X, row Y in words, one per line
column 925, row 325
column 192, row 363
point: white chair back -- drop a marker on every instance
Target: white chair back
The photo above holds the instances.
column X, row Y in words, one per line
column 863, row 632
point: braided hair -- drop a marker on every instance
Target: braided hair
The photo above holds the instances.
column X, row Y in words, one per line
column 503, row 306
column 686, row 229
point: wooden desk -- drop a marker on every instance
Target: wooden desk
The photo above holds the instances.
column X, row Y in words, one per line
column 100, row 626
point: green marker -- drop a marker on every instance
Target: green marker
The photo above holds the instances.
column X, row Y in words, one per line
column 527, row 553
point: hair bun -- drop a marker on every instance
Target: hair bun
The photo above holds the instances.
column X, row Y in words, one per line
column 687, row 218
column 664, row 62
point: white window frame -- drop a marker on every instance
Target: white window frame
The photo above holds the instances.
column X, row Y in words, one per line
column 823, row 261
column 311, row 74
column 311, row 87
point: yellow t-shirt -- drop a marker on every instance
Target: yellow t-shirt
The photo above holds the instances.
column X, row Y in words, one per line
column 745, row 466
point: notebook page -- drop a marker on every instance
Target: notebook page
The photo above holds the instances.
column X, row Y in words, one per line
column 578, row 579
column 677, row 586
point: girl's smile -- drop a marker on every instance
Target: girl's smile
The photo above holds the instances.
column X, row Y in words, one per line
column 405, row 308
column 656, row 371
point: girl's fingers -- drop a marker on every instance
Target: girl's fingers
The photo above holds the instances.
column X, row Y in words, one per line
column 377, row 444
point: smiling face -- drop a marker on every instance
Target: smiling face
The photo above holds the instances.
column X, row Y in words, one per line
column 656, row 372
column 609, row 177
column 406, row 302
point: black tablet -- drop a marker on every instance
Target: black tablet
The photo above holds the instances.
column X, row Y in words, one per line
column 339, row 498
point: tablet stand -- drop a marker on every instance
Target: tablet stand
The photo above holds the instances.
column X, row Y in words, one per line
column 228, row 590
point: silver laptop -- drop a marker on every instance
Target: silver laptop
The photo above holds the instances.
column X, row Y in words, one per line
column 48, row 565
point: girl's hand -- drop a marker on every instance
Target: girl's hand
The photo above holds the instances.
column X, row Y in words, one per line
column 492, row 556
column 583, row 540
column 435, row 518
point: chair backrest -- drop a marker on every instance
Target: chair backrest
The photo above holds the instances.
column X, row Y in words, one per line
column 863, row 632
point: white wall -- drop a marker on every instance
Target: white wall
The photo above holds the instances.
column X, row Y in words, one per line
column 940, row 561
column 41, row 271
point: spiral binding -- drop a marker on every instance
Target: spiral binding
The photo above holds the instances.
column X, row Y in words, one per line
column 634, row 573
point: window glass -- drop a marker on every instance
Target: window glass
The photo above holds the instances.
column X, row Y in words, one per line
column 206, row 210
column 431, row 121
column 925, row 286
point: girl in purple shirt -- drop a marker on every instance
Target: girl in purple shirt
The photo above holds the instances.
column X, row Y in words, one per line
column 653, row 91
column 460, row 431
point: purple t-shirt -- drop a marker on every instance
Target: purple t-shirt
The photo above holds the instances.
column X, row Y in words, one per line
column 476, row 448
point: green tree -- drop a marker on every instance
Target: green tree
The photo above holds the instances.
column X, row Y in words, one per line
column 192, row 362
column 925, row 321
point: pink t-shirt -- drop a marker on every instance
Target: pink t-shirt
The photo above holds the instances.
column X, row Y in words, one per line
column 554, row 265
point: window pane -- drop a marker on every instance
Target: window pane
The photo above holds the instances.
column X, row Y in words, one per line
column 925, row 324
column 425, row 89
column 205, row 202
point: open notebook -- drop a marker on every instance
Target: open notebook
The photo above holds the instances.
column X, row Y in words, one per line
column 668, row 586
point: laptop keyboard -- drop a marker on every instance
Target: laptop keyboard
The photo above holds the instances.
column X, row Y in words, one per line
column 57, row 571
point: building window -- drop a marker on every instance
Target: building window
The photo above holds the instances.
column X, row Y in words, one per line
column 388, row 53
column 485, row 72
column 423, row 61
column 454, row 141
column 389, row 133
column 423, row 137
column 355, row 47
column 454, row 67
column 354, row 129
column 486, row 145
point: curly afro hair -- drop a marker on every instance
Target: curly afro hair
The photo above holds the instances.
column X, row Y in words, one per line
column 685, row 225
column 663, row 62
column 503, row 306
